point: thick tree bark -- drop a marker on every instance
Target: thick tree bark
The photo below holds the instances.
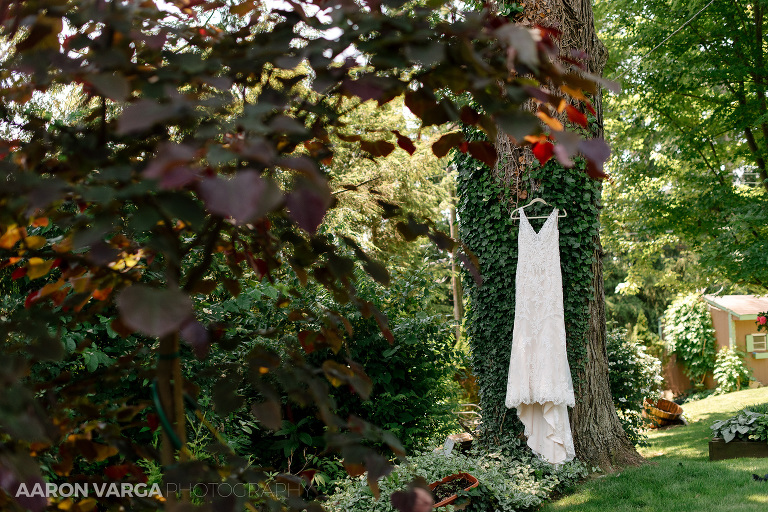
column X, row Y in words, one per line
column 599, row 437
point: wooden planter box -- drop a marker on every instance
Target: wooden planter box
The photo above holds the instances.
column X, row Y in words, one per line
column 451, row 499
column 720, row 450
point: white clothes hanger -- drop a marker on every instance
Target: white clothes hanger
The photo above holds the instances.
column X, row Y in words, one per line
column 562, row 213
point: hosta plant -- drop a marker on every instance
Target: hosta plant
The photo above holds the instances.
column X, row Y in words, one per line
column 736, row 427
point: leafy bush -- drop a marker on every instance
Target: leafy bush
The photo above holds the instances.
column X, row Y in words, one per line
column 759, row 408
column 413, row 391
column 730, row 371
column 690, row 335
column 634, row 376
column 507, row 484
column 741, row 426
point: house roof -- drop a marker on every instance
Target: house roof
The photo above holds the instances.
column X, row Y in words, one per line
column 739, row 305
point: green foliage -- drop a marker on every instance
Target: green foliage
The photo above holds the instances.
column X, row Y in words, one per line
column 413, row 389
column 689, row 334
column 650, row 340
column 759, row 408
column 189, row 164
column 740, row 426
column 634, row 375
column 730, row 372
column 507, row 484
column 689, row 208
column 484, row 210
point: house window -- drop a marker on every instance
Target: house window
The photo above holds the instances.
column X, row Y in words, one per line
column 757, row 344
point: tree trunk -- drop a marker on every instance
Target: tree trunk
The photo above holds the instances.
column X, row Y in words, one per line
column 599, row 437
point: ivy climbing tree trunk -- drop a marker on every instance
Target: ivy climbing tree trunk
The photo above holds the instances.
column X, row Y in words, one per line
column 598, row 435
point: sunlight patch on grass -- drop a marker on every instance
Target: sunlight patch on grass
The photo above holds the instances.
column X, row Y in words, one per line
column 680, row 467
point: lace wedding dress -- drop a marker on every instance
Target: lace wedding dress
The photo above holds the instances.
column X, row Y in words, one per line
column 539, row 384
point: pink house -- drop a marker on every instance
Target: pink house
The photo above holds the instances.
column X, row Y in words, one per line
column 733, row 317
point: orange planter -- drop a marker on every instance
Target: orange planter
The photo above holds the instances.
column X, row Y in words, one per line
column 451, row 499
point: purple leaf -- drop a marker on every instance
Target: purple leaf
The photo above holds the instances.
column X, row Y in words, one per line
column 245, row 197
column 142, row 115
column 196, row 336
column 307, row 205
column 170, row 166
column 597, row 151
column 153, row 311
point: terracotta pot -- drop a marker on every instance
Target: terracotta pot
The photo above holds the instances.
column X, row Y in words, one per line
column 451, row 499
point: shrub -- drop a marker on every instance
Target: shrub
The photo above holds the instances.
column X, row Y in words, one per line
column 507, row 484
column 690, row 335
column 730, row 371
column 634, row 376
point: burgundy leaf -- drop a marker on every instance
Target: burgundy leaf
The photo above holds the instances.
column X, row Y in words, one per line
column 143, row 114
column 153, row 311
column 377, row 148
column 196, row 336
column 483, row 151
column 171, row 165
column 446, row 143
column 268, row 413
column 597, row 152
column 245, row 197
column 307, row 205
column 472, row 268
column 405, row 143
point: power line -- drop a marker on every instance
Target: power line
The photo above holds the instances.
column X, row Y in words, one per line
column 668, row 37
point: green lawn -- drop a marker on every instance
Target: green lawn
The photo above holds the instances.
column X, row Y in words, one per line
column 680, row 477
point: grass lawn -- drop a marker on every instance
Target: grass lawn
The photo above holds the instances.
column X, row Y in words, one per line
column 680, row 477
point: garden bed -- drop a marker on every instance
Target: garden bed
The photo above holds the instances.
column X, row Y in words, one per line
column 720, row 450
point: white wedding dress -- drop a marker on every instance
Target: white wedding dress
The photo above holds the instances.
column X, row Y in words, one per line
column 539, row 384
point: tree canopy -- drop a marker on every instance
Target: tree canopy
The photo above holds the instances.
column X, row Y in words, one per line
column 689, row 204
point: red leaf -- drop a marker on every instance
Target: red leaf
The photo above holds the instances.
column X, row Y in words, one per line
column 31, row 299
column 483, row 151
column 543, row 151
column 116, row 472
column 575, row 116
column 19, row 273
column 153, row 421
column 590, row 107
column 464, row 147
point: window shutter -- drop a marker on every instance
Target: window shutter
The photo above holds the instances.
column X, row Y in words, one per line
column 750, row 343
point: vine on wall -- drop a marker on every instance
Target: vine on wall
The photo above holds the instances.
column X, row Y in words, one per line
column 485, row 226
column 690, row 335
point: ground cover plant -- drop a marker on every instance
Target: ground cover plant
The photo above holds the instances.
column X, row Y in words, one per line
column 680, row 474
column 507, row 483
